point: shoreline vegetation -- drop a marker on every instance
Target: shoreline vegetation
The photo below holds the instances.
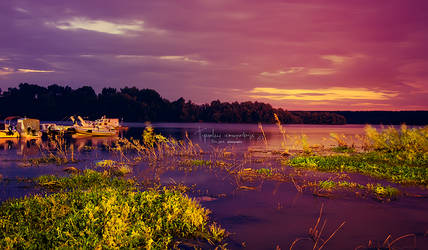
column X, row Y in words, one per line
column 105, row 207
column 140, row 105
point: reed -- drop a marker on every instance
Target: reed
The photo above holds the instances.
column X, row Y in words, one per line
column 263, row 133
column 56, row 151
column 283, row 134
column 155, row 147
column 316, row 233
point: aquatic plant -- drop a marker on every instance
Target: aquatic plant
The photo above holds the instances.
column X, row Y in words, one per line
column 263, row 133
column 97, row 211
column 374, row 164
column 404, row 142
column 57, row 151
column 265, row 171
column 340, row 140
column 283, row 133
column 388, row 243
column 305, row 145
column 197, row 163
column 155, row 147
column 383, row 191
column 379, row 191
column 316, row 233
column 114, row 167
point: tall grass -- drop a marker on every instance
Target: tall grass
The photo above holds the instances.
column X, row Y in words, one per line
column 56, row 151
column 155, row 147
column 404, row 142
column 399, row 155
column 283, row 134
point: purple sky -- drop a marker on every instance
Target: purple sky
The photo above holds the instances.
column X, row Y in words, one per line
column 299, row 55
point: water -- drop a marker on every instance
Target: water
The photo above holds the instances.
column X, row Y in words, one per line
column 274, row 213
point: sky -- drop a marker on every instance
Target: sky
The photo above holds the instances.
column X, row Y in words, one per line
column 297, row 54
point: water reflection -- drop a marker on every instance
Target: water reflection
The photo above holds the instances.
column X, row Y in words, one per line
column 237, row 136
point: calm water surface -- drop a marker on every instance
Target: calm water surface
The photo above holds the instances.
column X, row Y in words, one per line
column 274, row 214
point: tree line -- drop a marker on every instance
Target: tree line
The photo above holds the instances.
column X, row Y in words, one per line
column 131, row 104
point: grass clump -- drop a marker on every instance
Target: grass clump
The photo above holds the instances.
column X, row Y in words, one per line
column 96, row 211
column 265, row 171
column 114, row 168
column 383, row 191
column 397, row 155
column 197, row 163
column 378, row 190
column 372, row 164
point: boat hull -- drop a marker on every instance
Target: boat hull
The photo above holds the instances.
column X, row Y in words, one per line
column 8, row 134
column 92, row 132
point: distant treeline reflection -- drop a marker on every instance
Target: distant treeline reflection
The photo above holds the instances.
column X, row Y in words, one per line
column 138, row 105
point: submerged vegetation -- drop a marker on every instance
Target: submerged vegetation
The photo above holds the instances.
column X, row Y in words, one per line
column 93, row 210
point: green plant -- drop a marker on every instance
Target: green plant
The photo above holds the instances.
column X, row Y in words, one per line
column 265, row 171
column 93, row 210
column 376, row 164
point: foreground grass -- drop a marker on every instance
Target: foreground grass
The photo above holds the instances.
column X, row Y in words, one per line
column 92, row 211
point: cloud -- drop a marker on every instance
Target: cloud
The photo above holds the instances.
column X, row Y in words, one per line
column 6, row 71
column 335, row 59
column 34, row 71
column 290, row 70
column 328, row 94
column 321, row 71
column 98, row 25
column 183, row 59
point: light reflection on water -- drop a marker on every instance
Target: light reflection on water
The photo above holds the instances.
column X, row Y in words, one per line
column 274, row 214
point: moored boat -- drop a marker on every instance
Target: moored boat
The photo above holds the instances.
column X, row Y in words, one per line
column 28, row 128
column 7, row 130
column 84, row 128
column 53, row 129
column 110, row 123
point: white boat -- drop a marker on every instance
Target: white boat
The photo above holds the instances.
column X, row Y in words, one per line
column 84, row 128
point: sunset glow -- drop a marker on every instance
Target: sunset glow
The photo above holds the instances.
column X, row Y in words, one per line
column 298, row 55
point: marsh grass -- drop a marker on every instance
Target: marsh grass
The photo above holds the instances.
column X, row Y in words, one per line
column 155, row 147
column 197, row 163
column 94, row 210
column 380, row 192
column 283, row 134
column 389, row 243
column 398, row 155
column 380, row 165
column 57, row 151
column 316, row 234
column 115, row 168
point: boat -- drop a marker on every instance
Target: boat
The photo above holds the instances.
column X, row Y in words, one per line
column 53, row 129
column 110, row 122
column 28, row 128
column 7, row 130
column 84, row 128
